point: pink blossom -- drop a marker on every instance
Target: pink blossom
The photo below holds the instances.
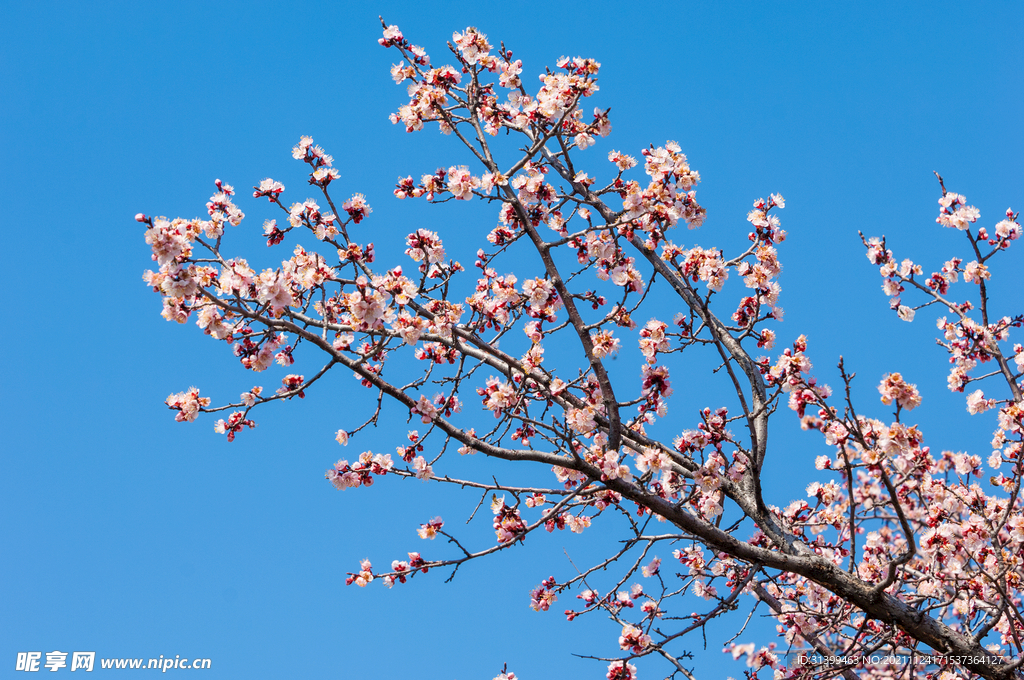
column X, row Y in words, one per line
column 604, row 343
column 425, row 246
column 429, row 530
column 187, row 404
column 497, row 395
column 905, row 313
column 976, row 272
column 392, row 36
column 621, row 670
column 422, row 468
column 249, row 398
column 472, row 44
column 894, row 388
column 633, row 639
column 461, row 183
column 977, row 403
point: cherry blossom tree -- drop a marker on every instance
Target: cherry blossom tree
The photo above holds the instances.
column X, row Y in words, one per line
column 901, row 562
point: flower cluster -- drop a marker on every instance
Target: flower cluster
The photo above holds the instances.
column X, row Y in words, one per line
column 508, row 524
column 955, row 213
column 429, row 530
column 345, row 476
column 187, row 404
column 894, row 388
column 544, row 596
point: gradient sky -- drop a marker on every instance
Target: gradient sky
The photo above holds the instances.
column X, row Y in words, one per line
column 131, row 535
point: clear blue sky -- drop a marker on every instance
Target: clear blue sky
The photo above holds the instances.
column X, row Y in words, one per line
column 128, row 534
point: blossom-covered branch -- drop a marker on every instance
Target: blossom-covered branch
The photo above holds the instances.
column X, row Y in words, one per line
column 902, row 549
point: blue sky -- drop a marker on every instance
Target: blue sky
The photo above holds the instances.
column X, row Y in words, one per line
column 131, row 535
